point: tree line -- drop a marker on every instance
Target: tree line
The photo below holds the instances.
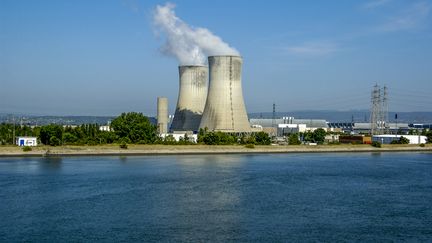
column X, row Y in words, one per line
column 128, row 128
column 135, row 128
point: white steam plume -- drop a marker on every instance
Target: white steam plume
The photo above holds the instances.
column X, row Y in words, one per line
column 188, row 44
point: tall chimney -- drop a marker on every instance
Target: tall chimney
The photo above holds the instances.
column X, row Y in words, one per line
column 162, row 115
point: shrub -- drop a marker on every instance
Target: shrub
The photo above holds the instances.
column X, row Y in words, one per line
column 123, row 145
column 293, row 139
column 26, row 148
column 250, row 146
column 376, row 144
column 422, row 145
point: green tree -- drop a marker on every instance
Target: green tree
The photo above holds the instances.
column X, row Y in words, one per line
column 319, row 135
column 428, row 135
column 51, row 134
column 293, row 139
column 135, row 127
column 262, row 138
column 401, row 140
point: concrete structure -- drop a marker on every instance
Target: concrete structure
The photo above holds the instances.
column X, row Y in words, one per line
column 162, row 115
column 193, row 87
column 225, row 109
column 26, row 141
column 388, row 138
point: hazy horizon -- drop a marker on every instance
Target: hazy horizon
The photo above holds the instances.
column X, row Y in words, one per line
column 101, row 59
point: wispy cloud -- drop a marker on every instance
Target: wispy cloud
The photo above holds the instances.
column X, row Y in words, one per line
column 133, row 5
column 375, row 4
column 412, row 18
column 310, row 49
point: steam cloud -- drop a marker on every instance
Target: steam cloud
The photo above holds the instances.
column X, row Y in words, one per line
column 190, row 45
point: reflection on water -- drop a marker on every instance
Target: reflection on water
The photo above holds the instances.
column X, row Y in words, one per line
column 50, row 163
column 201, row 198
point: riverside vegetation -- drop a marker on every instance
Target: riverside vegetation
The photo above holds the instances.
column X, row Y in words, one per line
column 135, row 128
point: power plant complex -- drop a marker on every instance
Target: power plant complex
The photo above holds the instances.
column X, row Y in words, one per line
column 216, row 105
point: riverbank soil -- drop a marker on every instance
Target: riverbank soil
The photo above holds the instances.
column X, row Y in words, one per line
column 113, row 149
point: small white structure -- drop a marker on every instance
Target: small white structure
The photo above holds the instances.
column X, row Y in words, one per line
column 106, row 128
column 388, row 138
column 26, row 141
column 180, row 136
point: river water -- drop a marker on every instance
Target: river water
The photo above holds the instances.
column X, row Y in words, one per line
column 201, row 198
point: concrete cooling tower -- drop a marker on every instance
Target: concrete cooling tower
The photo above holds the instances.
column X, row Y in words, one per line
column 225, row 110
column 162, row 115
column 192, row 98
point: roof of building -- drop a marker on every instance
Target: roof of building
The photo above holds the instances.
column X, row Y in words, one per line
column 265, row 122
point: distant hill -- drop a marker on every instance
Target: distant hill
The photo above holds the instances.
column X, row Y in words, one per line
column 62, row 120
column 331, row 116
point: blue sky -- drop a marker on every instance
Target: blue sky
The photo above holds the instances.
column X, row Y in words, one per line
column 102, row 57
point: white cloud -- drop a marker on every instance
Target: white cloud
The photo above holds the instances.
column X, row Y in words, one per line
column 411, row 18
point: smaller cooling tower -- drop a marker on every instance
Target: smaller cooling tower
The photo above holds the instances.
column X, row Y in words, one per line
column 225, row 109
column 191, row 99
column 162, row 115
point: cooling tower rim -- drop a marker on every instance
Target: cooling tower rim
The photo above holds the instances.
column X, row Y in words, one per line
column 197, row 65
column 225, row 56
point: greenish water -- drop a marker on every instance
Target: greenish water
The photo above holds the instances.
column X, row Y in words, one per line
column 201, row 198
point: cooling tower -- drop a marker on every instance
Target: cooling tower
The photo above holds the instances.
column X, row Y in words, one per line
column 225, row 110
column 191, row 99
column 162, row 115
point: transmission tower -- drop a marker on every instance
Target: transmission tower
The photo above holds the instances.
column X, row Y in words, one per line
column 379, row 110
column 384, row 109
column 274, row 115
column 375, row 110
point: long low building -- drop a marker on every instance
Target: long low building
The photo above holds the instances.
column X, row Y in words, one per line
column 268, row 122
column 388, row 138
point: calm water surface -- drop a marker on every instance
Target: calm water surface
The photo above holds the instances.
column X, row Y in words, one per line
column 279, row 197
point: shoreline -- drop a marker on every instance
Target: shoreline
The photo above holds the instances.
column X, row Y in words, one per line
column 139, row 150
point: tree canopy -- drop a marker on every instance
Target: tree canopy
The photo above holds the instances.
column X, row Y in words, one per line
column 134, row 127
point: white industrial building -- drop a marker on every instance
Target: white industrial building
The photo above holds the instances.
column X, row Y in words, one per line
column 180, row 136
column 26, row 141
column 287, row 125
column 388, row 138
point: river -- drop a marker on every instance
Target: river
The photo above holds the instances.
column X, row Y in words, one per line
column 201, row 198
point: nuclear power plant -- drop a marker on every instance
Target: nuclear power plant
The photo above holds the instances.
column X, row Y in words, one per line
column 225, row 110
column 216, row 105
column 191, row 98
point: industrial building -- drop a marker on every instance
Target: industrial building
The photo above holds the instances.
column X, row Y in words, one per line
column 287, row 125
column 225, row 109
column 191, row 98
column 388, row 138
column 365, row 127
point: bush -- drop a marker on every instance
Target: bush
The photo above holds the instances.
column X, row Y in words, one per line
column 123, row 145
column 422, row 145
column 250, row 146
column 376, row 144
column 26, row 149
column 293, row 139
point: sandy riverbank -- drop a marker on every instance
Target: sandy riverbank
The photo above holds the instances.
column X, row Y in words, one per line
column 6, row 151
